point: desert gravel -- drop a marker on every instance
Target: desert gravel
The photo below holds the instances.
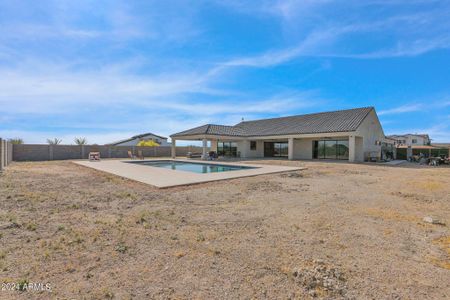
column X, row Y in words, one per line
column 333, row 231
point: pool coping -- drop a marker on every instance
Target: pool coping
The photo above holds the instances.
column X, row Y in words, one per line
column 165, row 178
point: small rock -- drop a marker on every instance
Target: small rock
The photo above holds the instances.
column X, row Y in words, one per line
column 313, row 293
column 433, row 220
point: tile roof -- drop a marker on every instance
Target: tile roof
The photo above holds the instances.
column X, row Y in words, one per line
column 334, row 121
column 213, row 130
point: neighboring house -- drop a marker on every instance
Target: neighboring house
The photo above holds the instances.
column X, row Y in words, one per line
column 408, row 145
column 353, row 135
column 411, row 139
column 134, row 140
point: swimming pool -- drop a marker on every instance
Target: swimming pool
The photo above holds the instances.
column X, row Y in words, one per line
column 191, row 166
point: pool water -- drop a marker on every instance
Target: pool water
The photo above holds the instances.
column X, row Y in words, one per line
column 190, row 166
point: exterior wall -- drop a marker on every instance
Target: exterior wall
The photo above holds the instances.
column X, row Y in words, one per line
column 372, row 134
column 408, row 138
column 244, row 148
column 303, row 148
column 29, row 152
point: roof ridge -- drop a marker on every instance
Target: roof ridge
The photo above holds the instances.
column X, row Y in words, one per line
column 308, row 114
column 147, row 133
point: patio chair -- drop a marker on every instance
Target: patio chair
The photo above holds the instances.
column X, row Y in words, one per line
column 212, row 155
column 131, row 155
column 193, row 155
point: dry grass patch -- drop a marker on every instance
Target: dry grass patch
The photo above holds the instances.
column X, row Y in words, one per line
column 444, row 244
column 428, row 185
column 389, row 214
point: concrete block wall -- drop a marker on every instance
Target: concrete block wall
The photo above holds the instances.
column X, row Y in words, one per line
column 29, row 152
column 34, row 152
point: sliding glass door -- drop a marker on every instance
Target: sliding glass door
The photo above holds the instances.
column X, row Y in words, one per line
column 331, row 149
column 275, row 149
column 227, row 149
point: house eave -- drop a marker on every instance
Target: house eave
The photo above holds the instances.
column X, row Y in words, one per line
column 264, row 137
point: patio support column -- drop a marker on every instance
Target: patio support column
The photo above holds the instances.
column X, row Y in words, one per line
column 356, row 149
column 409, row 152
column 351, row 148
column 174, row 148
column 214, row 145
column 291, row 148
column 205, row 145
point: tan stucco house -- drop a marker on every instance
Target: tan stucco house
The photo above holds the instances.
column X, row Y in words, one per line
column 354, row 135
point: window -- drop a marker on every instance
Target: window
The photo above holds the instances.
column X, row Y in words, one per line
column 252, row 145
column 414, row 141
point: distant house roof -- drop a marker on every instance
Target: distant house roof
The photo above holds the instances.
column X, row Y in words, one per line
column 137, row 137
column 422, row 147
column 325, row 122
column 424, row 135
column 145, row 134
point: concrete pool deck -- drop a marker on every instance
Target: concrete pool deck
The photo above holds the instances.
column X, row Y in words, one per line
column 164, row 178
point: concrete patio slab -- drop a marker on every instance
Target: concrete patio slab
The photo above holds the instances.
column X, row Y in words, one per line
column 164, row 178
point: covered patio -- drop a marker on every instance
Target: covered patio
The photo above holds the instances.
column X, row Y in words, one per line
column 336, row 146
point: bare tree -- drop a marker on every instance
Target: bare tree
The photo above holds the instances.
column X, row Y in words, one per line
column 80, row 141
column 54, row 141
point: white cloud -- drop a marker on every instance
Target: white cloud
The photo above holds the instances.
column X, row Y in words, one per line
column 272, row 58
column 322, row 30
column 402, row 109
column 67, row 103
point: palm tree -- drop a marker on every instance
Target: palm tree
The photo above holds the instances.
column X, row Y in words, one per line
column 80, row 141
column 55, row 141
column 16, row 141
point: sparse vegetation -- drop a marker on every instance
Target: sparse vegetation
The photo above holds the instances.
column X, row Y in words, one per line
column 22, row 284
column 54, row 141
column 80, row 141
column 31, row 226
column 121, row 247
column 16, row 141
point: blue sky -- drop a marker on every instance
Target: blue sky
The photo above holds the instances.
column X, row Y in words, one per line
column 110, row 69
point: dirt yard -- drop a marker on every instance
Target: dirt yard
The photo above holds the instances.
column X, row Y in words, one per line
column 333, row 231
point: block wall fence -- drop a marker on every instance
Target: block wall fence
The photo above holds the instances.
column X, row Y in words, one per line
column 35, row 152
